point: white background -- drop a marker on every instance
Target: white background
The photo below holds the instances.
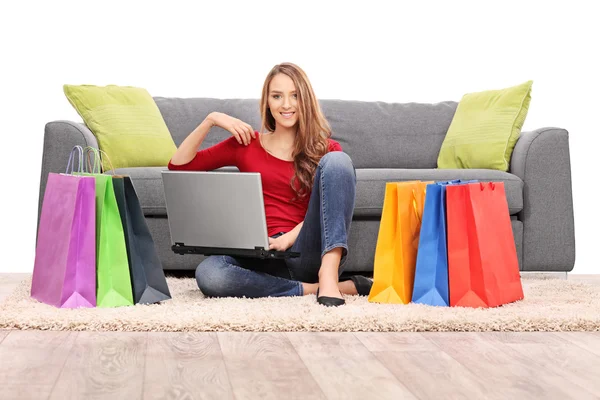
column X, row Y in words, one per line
column 411, row 52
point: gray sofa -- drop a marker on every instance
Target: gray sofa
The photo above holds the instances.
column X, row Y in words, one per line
column 387, row 142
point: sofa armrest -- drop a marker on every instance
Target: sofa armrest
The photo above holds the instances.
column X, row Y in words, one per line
column 541, row 159
column 59, row 139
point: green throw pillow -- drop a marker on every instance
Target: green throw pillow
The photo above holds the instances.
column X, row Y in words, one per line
column 126, row 122
column 485, row 129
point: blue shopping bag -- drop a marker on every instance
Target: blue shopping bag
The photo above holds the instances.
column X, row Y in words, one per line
column 431, row 271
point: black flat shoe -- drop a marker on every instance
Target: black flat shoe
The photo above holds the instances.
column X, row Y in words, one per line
column 363, row 284
column 330, row 301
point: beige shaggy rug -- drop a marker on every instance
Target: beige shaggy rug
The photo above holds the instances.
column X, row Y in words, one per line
column 549, row 305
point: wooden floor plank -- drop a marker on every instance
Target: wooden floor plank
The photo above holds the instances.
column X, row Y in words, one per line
column 422, row 366
column 503, row 371
column 103, row 365
column 588, row 278
column 32, row 361
column 395, row 341
column 264, row 365
column 185, row 365
column 345, row 368
column 546, row 338
column 559, row 356
column 9, row 282
column 3, row 295
column 49, row 364
column 589, row 341
column 12, row 278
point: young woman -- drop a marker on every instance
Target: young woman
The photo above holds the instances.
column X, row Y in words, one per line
column 309, row 191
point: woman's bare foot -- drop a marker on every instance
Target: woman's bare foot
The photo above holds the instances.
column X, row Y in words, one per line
column 328, row 285
column 328, row 274
column 309, row 288
column 346, row 287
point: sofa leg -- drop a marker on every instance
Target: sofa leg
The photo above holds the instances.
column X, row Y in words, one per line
column 544, row 275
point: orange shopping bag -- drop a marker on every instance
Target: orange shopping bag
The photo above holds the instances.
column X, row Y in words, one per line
column 483, row 268
column 397, row 242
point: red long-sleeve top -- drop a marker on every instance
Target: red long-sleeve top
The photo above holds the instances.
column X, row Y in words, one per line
column 282, row 213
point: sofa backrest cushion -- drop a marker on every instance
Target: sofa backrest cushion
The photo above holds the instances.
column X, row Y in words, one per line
column 374, row 134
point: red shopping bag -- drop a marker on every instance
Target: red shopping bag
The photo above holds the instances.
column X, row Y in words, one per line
column 483, row 267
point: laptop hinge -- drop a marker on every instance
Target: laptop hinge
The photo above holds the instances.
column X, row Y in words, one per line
column 259, row 251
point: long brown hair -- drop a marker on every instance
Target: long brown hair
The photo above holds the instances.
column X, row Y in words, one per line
column 313, row 129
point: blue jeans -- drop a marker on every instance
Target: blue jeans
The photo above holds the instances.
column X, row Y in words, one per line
column 326, row 227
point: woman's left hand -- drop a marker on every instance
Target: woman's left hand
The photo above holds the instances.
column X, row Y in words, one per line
column 282, row 243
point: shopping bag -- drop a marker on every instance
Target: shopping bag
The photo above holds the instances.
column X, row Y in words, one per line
column 147, row 275
column 64, row 271
column 112, row 266
column 397, row 242
column 431, row 270
column 483, row 267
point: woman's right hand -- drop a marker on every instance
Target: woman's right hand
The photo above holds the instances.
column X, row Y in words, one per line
column 242, row 131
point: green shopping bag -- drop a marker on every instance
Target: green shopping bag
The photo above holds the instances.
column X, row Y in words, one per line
column 112, row 267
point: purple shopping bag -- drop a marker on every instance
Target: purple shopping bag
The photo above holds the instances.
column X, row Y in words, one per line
column 64, row 273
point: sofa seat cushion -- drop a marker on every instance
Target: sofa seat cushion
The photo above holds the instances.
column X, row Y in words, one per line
column 370, row 186
column 148, row 185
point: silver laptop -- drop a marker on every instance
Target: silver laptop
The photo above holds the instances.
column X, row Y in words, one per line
column 217, row 213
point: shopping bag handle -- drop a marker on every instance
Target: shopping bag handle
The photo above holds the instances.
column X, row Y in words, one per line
column 482, row 185
column 80, row 151
column 98, row 163
column 104, row 155
column 415, row 207
column 96, row 167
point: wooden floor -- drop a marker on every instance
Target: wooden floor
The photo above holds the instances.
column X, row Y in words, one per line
column 127, row 365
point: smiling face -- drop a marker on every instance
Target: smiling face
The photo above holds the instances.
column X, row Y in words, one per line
column 287, row 89
column 283, row 100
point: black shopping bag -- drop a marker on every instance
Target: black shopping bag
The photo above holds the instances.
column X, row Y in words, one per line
column 148, row 279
